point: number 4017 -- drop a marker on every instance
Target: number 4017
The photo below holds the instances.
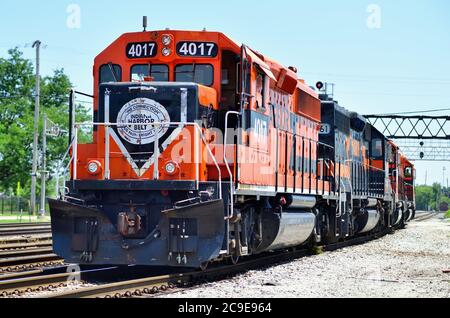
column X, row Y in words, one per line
column 197, row 49
column 138, row 50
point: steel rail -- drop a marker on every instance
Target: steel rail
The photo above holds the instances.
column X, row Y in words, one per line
column 10, row 276
column 23, row 246
column 22, row 285
column 19, row 268
column 25, row 239
column 25, row 229
column 427, row 216
column 7, row 262
column 34, row 281
column 24, row 225
column 25, row 252
column 28, row 231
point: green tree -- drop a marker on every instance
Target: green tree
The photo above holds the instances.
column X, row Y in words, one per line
column 424, row 197
column 17, row 91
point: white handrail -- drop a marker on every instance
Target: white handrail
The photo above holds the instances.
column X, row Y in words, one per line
column 225, row 143
column 60, row 166
column 198, row 129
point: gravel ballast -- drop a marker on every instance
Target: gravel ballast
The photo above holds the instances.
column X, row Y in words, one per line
column 409, row 263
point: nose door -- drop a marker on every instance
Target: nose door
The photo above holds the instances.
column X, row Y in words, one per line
column 146, row 119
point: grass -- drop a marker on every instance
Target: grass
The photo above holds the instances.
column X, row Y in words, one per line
column 317, row 250
column 9, row 218
column 447, row 216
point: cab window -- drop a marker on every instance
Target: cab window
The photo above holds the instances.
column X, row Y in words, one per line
column 110, row 73
column 377, row 148
column 198, row 73
column 408, row 172
column 260, row 90
column 159, row 72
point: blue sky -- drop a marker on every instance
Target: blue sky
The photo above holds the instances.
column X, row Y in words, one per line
column 404, row 65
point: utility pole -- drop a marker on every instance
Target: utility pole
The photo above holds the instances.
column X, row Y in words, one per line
column 443, row 176
column 36, row 45
column 44, row 166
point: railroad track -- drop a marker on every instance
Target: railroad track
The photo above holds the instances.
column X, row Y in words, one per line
column 28, row 265
column 39, row 281
column 24, row 229
column 146, row 287
column 25, row 245
column 36, row 281
column 2, row 226
column 25, row 239
column 19, row 253
column 425, row 216
column 19, row 284
column 21, row 259
column 25, row 252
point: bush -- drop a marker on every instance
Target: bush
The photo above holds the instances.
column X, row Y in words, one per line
column 447, row 216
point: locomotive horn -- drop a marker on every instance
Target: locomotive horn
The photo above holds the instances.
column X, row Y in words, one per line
column 145, row 23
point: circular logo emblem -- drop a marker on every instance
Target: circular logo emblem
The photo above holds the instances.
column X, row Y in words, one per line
column 136, row 120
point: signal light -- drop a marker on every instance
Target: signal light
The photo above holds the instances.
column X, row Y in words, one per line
column 422, row 155
column 171, row 168
column 94, row 167
column 320, row 86
column 166, row 51
column 166, row 40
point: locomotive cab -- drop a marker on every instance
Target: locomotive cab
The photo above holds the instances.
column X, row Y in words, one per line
column 150, row 184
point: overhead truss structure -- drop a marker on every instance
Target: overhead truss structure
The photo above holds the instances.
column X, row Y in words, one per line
column 412, row 127
column 424, row 138
column 425, row 150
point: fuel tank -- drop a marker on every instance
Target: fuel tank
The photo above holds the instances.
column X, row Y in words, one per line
column 299, row 202
column 398, row 215
column 287, row 229
column 409, row 215
column 369, row 221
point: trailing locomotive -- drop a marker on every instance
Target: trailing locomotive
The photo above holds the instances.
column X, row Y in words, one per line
column 206, row 150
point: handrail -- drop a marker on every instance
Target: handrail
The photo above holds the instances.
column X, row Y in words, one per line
column 227, row 164
column 198, row 130
column 60, row 166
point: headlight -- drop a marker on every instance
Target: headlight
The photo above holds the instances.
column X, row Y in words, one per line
column 166, row 51
column 171, row 168
column 94, row 167
column 166, row 40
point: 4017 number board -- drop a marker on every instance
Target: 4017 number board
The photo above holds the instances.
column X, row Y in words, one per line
column 197, row 49
column 141, row 50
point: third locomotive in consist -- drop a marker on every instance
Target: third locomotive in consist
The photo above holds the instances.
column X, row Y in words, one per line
column 205, row 150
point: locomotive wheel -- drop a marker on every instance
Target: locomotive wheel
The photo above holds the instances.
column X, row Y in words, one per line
column 234, row 259
column 204, row 266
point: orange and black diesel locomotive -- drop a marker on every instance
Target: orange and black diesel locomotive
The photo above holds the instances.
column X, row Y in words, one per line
column 206, row 150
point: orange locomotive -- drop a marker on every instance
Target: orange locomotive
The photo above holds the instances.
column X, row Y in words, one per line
column 204, row 150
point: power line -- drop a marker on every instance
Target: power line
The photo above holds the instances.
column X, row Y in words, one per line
column 16, row 97
column 84, row 102
column 380, row 77
column 416, row 112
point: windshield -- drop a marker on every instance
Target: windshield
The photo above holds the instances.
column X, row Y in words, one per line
column 110, row 73
column 159, row 72
column 198, row 73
